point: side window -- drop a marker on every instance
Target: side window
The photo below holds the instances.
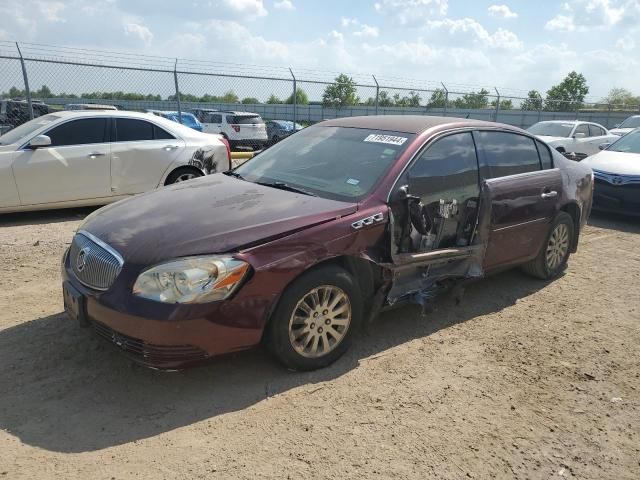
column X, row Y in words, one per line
column 130, row 129
column 217, row 118
column 449, row 164
column 79, row 132
column 582, row 128
column 596, row 131
column 161, row 134
column 507, row 154
column 545, row 156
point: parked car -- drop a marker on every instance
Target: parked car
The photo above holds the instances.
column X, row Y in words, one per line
column 83, row 157
column 16, row 112
column 572, row 137
column 279, row 129
column 617, row 175
column 186, row 119
column 628, row 125
column 89, row 106
column 201, row 112
column 315, row 235
column 239, row 128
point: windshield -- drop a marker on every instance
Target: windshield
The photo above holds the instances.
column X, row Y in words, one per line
column 630, row 143
column 26, row 129
column 331, row 162
column 548, row 129
column 631, row 122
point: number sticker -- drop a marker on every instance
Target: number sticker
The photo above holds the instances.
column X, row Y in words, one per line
column 389, row 139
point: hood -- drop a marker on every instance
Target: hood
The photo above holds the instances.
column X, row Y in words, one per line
column 213, row 214
column 548, row 139
column 620, row 131
column 619, row 163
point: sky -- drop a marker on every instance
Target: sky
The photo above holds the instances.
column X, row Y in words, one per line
column 514, row 45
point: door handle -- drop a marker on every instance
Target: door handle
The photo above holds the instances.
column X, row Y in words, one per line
column 170, row 147
column 96, row 154
column 550, row 194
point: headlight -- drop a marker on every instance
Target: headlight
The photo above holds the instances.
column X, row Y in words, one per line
column 191, row 280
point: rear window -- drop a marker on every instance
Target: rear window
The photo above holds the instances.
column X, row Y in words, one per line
column 244, row 119
column 332, row 162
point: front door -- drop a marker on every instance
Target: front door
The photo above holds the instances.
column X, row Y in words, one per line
column 523, row 191
column 76, row 166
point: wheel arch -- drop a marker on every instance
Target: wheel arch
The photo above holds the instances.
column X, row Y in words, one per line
column 182, row 168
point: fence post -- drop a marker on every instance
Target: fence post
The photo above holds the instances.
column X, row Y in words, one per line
column 175, row 79
column 377, row 92
column 608, row 115
column 26, row 82
column 539, row 107
column 497, row 104
column 295, row 97
column 446, row 98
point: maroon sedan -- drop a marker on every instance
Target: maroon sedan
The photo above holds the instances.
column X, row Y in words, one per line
column 300, row 246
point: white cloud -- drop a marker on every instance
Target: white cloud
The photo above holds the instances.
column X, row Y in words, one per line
column 139, row 31
column 345, row 22
column 626, row 43
column 50, row 10
column 284, row 5
column 563, row 23
column 586, row 15
column 367, row 31
column 502, row 11
column 335, row 35
column 248, row 8
column 501, row 39
column 412, row 11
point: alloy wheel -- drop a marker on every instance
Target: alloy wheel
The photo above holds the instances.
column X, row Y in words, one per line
column 320, row 321
column 184, row 177
column 558, row 246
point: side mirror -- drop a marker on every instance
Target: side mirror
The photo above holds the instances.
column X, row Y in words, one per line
column 604, row 146
column 40, row 141
column 579, row 135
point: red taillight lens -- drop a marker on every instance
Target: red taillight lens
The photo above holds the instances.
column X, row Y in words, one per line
column 236, row 127
column 226, row 144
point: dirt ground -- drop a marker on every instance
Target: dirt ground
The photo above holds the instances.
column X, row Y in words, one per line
column 524, row 379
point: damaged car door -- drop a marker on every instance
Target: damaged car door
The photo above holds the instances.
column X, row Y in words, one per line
column 436, row 207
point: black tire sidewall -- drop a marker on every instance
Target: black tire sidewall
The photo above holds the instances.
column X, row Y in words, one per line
column 173, row 176
column 277, row 337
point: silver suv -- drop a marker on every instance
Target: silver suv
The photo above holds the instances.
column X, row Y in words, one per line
column 239, row 128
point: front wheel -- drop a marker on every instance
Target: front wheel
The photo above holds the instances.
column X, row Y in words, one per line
column 316, row 319
column 552, row 259
column 182, row 176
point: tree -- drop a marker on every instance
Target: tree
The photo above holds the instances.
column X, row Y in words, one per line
column 568, row 94
column 250, row 100
column 621, row 96
column 413, row 100
column 384, row 100
column 533, row 101
column 438, row 99
column 229, row 97
column 341, row 93
column 301, row 98
column 273, row 100
column 473, row 100
column 504, row 104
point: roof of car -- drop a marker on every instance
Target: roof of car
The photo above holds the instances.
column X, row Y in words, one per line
column 101, row 113
column 408, row 123
column 572, row 122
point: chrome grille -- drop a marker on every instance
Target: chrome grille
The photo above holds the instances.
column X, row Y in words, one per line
column 94, row 263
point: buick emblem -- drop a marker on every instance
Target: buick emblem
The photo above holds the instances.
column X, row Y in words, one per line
column 81, row 259
column 617, row 180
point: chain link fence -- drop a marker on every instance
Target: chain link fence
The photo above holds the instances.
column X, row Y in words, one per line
column 37, row 78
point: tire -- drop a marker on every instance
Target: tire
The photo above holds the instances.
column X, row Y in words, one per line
column 294, row 335
column 553, row 257
column 182, row 175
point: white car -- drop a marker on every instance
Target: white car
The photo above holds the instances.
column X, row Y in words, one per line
column 625, row 127
column 239, row 128
column 573, row 136
column 617, row 175
column 83, row 157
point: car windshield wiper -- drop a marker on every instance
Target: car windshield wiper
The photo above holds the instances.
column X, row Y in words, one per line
column 233, row 174
column 285, row 186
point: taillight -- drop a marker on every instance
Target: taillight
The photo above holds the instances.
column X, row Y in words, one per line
column 226, row 144
column 236, row 127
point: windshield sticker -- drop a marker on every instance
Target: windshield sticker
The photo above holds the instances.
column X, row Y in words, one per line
column 389, row 139
column 353, row 181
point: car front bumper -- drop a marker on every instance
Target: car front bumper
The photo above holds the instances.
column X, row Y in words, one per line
column 624, row 199
column 171, row 336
